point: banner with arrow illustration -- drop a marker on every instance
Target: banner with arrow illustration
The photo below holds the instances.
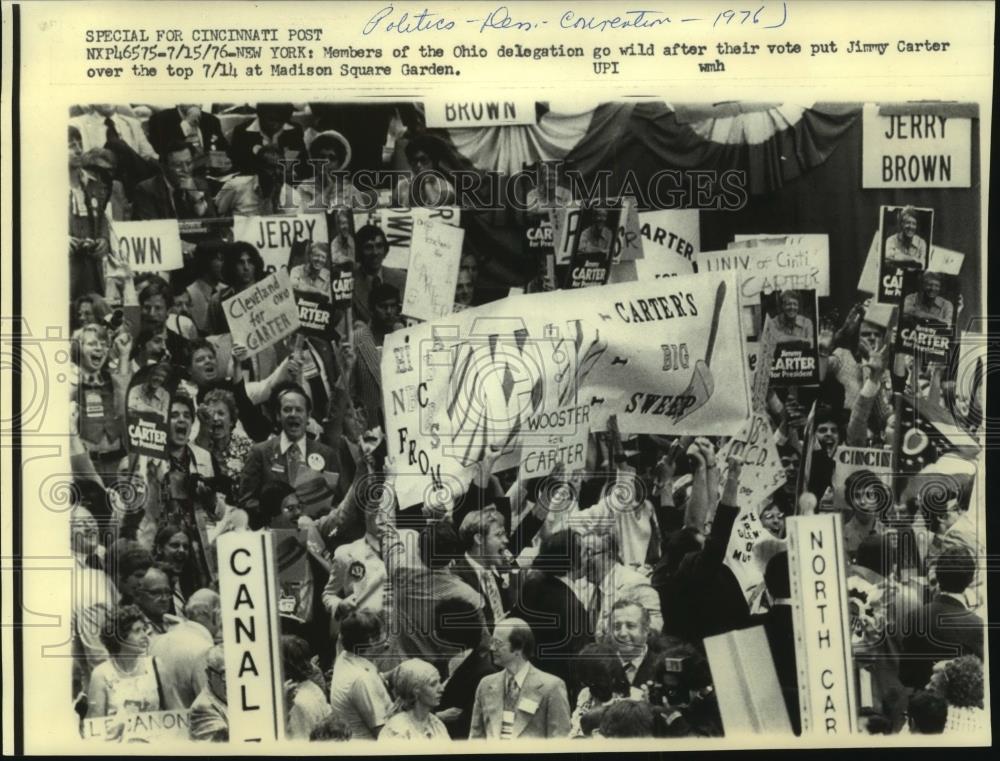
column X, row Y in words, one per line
column 665, row 356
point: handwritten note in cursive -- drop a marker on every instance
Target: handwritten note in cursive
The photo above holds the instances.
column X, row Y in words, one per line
column 524, row 18
column 435, row 252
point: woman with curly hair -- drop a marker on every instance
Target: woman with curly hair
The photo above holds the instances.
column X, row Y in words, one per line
column 418, row 691
column 602, row 680
column 128, row 681
column 960, row 682
column 221, row 434
column 242, row 266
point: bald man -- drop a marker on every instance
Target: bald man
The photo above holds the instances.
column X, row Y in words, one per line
column 181, row 652
column 520, row 700
column 209, row 718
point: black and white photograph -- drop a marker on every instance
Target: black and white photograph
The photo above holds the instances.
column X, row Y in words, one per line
column 905, row 235
column 343, row 450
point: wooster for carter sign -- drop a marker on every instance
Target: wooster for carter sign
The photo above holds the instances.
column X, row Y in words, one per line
column 925, row 150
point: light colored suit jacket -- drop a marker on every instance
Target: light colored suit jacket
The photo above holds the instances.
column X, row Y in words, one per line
column 180, row 655
column 542, row 708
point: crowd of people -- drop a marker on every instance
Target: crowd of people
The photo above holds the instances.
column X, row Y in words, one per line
column 574, row 605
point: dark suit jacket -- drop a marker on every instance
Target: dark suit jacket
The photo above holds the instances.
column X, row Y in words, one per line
column 165, row 128
column 468, row 574
column 952, row 630
column 703, row 596
column 265, row 464
column 460, row 691
column 241, row 148
column 558, row 620
column 152, row 200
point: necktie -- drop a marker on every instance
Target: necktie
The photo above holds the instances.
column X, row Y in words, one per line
column 595, row 609
column 630, row 670
column 510, row 692
column 180, row 203
column 493, row 595
column 111, row 131
column 294, row 458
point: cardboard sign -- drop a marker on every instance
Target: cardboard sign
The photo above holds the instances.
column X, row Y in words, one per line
column 147, row 410
column 251, row 636
column 561, row 439
column 397, row 224
column 474, row 112
column 915, row 150
column 763, row 362
column 435, row 253
column 342, row 283
column 147, row 434
column 539, row 240
column 594, row 245
column 671, row 238
column 762, row 472
column 927, row 316
column 144, row 727
column 765, row 269
column 750, row 548
column 792, row 317
column 263, row 314
column 746, row 682
column 904, row 236
column 862, row 479
column 629, row 232
column 274, row 237
column 150, row 246
column 818, row 574
column 316, row 314
column 945, row 261
column 666, row 356
column 868, row 282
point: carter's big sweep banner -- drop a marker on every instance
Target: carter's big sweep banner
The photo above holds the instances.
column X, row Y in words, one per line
column 666, row 356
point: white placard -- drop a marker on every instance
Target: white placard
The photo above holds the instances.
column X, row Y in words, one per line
column 251, row 636
column 800, row 265
column 671, row 239
column 823, row 657
column 435, row 253
column 666, row 356
column 915, row 150
column 153, row 245
column 274, row 237
column 264, row 313
column 479, row 112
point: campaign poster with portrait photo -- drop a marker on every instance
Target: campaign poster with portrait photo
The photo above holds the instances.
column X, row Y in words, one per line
column 791, row 319
column 147, row 410
column 904, row 241
column 926, row 326
column 595, row 246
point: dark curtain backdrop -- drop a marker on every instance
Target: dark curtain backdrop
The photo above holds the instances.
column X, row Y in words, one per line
column 829, row 199
column 805, row 179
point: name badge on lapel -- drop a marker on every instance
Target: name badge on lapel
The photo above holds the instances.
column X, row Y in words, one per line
column 527, row 705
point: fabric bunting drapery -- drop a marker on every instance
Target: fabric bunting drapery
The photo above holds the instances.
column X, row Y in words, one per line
column 772, row 143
